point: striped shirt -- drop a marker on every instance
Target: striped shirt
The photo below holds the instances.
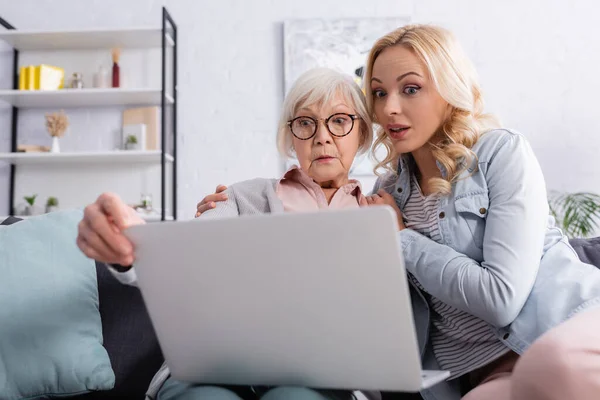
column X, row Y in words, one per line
column 461, row 342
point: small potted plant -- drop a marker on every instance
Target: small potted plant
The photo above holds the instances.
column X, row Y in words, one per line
column 131, row 143
column 51, row 204
column 29, row 209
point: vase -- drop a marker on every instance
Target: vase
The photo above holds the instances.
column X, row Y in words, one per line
column 55, row 146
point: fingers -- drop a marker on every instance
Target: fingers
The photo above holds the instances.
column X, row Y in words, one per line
column 94, row 243
column 381, row 198
column 97, row 229
column 102, row 254
column 374, row 199
column 100, row 236
column 210, row 201
column 221, row 188
column 215, row 197
column 385, row 196
column 112, row 205
column 93, row 247
column 88, row 250
column 202, row 208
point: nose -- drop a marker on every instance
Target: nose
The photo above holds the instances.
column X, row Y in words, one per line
column 392, row 105
column 322, row 136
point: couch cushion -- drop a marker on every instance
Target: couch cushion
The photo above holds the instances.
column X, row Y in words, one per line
column 50, row 326
column 129, row 337
column 588, row 250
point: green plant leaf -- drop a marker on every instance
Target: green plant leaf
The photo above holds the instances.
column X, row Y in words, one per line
column 30, row 199
column 578, row 214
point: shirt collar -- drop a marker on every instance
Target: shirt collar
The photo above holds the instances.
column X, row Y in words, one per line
column 297, row 174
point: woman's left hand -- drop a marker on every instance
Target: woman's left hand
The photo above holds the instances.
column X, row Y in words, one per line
column 384, row 198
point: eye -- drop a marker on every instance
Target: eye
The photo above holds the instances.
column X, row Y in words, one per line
column 340, row 119
column 378, row 93
column 411, row 90
column 304, row 122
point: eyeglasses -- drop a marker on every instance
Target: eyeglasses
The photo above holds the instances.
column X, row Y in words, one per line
column 339, row 125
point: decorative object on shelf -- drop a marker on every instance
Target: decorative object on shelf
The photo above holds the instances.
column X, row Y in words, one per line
column 577, row 214
column 146, row 202
column 30, row 208
column 150, row 118
column 145, row 209
column 51, row 204
column 57, row 124
column 137, row 132
column 131, row 142
column 23, row 78
column 32, row 148
column 101, row 78
column 116, row 70
column 41, row 77
column 77, row 81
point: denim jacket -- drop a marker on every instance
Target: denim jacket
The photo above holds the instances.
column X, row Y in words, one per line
column 501, row 257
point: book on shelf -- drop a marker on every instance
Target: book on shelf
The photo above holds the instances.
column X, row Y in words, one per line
column 41, row 77
column 148, row 116
column 32, row 148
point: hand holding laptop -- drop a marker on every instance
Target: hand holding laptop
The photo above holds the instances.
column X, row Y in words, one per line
column 100, row 232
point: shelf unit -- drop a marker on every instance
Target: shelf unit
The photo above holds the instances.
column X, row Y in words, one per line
column 142, row 37
column 162, row 37
column 110, row 157
column 83, row 97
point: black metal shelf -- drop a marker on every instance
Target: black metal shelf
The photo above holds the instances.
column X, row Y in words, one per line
column 168, row 98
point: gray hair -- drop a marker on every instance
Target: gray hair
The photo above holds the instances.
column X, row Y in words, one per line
column 318, row 86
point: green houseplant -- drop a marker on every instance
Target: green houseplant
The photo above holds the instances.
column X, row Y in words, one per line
column 51, row 204
column 131, row 142
column 577, row 214
column 29, row 209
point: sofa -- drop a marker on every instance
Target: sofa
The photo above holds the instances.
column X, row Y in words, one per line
column 131, row 343
column 128, row 337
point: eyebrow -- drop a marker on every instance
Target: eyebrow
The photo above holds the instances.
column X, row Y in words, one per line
column 398, row 79
column 339, row 105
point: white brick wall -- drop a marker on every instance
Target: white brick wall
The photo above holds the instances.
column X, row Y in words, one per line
column 537, row 60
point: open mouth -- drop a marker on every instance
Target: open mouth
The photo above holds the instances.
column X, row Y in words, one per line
column 397, row 131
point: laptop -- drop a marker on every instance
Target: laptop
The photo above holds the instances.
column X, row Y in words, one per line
column 316, row 299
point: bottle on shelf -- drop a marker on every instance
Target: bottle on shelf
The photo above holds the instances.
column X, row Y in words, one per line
column 101, row 78
column 116, row 54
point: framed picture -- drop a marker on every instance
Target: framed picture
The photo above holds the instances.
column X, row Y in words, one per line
column 341, row 44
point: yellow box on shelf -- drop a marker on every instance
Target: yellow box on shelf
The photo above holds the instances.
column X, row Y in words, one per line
column 24, row 78
column 30, row 77
column 41, row 77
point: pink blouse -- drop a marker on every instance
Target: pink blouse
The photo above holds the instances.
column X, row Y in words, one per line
column 299, row 192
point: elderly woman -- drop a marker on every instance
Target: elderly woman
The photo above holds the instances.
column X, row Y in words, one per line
column 324, row 123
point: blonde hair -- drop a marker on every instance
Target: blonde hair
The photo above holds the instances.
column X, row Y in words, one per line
column 318, row 86
column 457, row 83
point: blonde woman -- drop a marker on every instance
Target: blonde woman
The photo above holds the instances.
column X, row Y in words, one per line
column 325, row 123
column 489, row 272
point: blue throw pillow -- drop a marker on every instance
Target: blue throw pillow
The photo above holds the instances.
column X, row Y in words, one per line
column 50, row 326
